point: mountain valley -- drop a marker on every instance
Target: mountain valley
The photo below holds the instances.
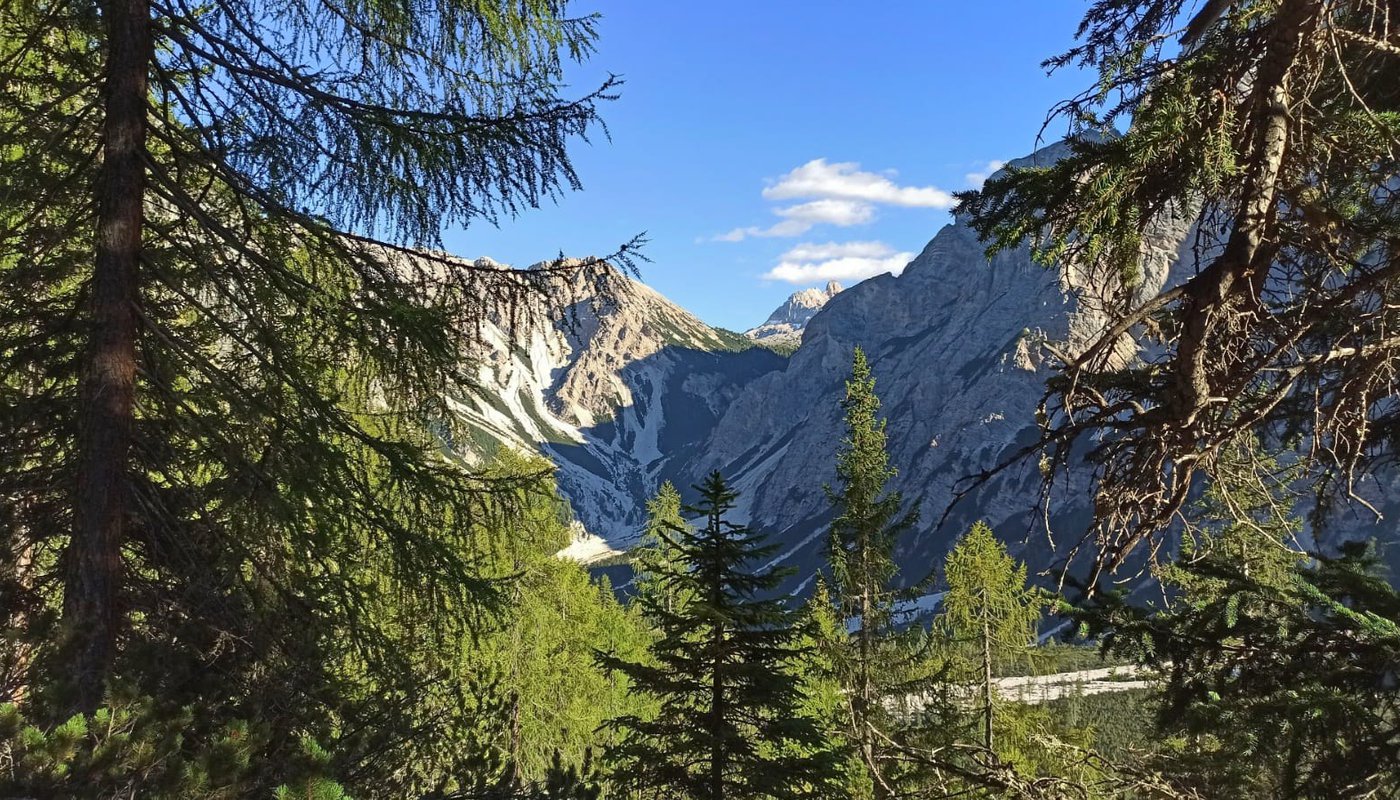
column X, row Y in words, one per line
column 633, row 395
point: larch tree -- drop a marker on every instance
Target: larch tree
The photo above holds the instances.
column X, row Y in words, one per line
column 1275, row 126
column 875, row 664
column 226, row 340
column 723, row 672
column 657, row 556
column 989, row 613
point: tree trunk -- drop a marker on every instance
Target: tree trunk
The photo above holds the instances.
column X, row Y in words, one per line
column 719, row 753
column 986, row 683
column 864, row 698
column 91, row 600
column 14, row 682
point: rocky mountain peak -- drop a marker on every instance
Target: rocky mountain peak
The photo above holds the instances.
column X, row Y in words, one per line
column 784, row 326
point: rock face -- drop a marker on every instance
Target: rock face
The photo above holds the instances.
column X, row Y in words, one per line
column 955, row 345
column 615, row 395
column 784, row 326
column 648, row 393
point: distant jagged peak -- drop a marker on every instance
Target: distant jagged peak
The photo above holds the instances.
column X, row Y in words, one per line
column 783, row 327
column 800, row 306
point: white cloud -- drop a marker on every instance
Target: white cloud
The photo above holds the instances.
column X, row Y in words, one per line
column 802, row 217
column 811, row 251
column 840, row 194
column 842, row 213
column 846, row 181
column 976, row 179
column 783, row 229
column 847, row 261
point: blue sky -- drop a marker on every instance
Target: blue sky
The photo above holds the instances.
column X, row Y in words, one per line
column 768, row 145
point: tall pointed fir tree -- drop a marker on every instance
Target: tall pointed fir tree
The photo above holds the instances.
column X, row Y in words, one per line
column 729, row 723
column 875, row 664
column 1275, row 126
column 223, row 337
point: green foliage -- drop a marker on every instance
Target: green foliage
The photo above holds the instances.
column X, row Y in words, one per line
column 783, row 347
column 825, row 696
column 1277, row 667
column 875, row 662
column 1244, row 518
column 521, row 691
column 294, row 548
column 733, row 341
column 861, row 544
column 140, row 748
column 1116, row 725
column 1275, row 690
column 657, row 555
column 988, row 604
column 989, row 615
column 1274, row 126
column 1275, row 130
column 729, row 722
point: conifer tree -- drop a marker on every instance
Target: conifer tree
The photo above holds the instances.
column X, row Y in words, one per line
column 656, row 556
column 1275, row 125
column 989, row 612
column 1245, row 517
column 723, row 672
column 218, row 388
column 825, row 697
column 1282, row 689
column 523, row 689
column 876, row 662
column 1271, row 658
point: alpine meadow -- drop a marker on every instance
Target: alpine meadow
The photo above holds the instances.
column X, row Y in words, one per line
column 311, row 488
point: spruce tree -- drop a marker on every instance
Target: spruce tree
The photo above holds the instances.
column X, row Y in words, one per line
column 1273, row 661
column 729, row 723
column 1272, row 689
column 1274, row 124
column 989, row 613
column 876, row 663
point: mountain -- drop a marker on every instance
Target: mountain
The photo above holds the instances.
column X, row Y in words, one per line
column 645, row 392
column 783, row 328
column 956, row 346
column 615, row 394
